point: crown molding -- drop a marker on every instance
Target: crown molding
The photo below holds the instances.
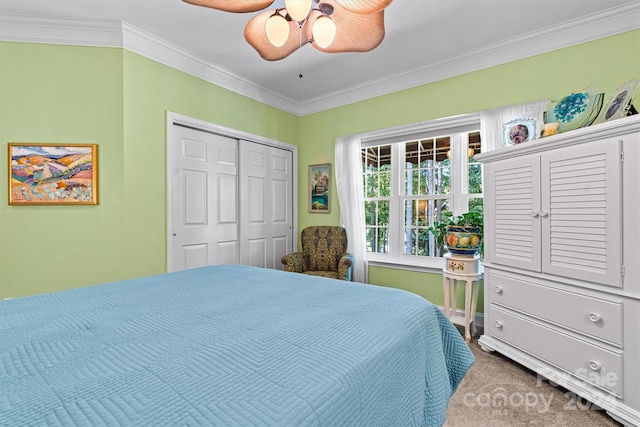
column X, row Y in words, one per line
column 107, row 33
column 68, row 31
column 613, row 21
column 148, row 45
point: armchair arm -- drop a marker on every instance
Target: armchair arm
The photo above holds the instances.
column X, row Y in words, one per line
column 344, row 267
column 293, row 262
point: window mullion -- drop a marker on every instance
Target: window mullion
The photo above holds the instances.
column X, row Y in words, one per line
column 459, row 162
column 397, row 211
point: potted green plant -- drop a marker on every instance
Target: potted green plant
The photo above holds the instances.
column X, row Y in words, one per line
column 460, row 235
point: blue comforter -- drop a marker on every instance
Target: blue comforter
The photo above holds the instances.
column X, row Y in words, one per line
column 227, row 346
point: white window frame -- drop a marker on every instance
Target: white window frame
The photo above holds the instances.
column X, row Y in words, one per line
column 457, row 128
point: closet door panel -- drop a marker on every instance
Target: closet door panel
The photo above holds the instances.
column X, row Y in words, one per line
column 266, row 204
column 203, row 199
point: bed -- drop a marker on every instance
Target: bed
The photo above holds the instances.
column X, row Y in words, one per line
column 227, row 345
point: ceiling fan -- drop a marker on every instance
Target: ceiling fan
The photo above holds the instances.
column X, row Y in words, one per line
column 331, row 26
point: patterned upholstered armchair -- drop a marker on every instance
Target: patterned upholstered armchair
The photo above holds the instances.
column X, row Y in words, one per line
column 324, row 253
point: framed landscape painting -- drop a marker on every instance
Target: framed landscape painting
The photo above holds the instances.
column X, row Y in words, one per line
column 320, row 188
column 53, row 174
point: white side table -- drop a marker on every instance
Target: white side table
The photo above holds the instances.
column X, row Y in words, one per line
column 467, row 269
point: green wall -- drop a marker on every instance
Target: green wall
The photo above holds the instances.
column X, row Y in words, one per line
column 151, row 89
column 119, row 100
column 604, row 63
column 63, row 95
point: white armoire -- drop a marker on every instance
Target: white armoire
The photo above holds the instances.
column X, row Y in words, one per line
column 562, row 262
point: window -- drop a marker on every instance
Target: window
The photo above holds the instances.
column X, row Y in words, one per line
column 377, row 196
column 410, row 182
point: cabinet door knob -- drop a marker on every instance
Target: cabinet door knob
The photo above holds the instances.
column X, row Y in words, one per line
column 498, row 289
column 595, row 365
column 535, row 214
column 594, row 317
column 498, row 324
column 544, row 214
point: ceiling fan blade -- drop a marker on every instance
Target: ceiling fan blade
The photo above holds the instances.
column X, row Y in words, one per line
column 356, row 32
column 256, row 36
column 364, row 6
column 239, row 6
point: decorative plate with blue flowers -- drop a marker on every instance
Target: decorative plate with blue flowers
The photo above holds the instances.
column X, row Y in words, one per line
column 570, row 107
column 574, row 111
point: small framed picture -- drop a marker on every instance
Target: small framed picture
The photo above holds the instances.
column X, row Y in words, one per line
column 320, row 188
column 518, row 131
column 53, row 174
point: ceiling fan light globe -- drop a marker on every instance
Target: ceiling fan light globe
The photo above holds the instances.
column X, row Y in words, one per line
column 323, row 31
column 277, row 30
column 298, row 10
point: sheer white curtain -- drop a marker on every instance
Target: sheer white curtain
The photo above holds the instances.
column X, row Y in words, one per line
column 349, row 185
column 492, row 121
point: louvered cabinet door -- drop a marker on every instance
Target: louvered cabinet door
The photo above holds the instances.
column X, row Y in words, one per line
column 581, row 212
column 512, row 224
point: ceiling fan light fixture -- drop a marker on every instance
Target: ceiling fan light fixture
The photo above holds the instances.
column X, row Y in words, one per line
column 298, row 10
column 277, row 29
column 323, row 31
column 360, row 24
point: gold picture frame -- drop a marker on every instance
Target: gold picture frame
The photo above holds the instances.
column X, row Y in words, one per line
column 53, row 174
column 320, row 188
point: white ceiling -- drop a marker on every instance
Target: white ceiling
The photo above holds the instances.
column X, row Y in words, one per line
column 426, row 40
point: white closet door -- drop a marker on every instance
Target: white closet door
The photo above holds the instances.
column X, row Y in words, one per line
column 204, row 201
column 266, row 188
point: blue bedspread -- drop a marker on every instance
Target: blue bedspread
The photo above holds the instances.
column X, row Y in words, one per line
column 227, row 345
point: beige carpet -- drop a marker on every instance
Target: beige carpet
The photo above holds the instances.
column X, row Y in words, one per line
column 498, row 392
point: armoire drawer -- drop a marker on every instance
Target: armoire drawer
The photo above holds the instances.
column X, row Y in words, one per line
column 595, row 317
column 596, row 365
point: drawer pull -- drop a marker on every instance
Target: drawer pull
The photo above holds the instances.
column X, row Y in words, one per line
column 594, row 365
column 498, row 324
column 594, row 317
column 498, row 289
